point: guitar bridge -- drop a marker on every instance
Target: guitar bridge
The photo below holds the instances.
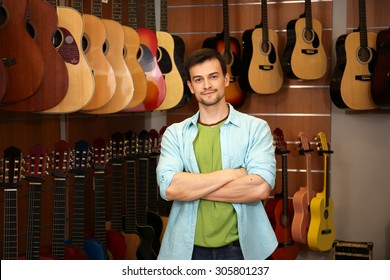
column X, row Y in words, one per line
column 266, row 67
column 364, row 78
column 8, row 61
column 309, row 51
column 286, row 244
column 326, row 231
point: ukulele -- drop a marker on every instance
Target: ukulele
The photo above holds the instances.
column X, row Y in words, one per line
column 350, row 86
column 24, row 63
column 41, row 24
column 380, row 84
column 124, row 89
column 147, row 57
column 115, row 239
column 261, row 69
column 94, row 40
column 170, row 47
column 321, row 233
column 304, row 56
column 145, row 250
column 11, row 177
column 287, row 248
column 230, row 48
column 132, row 236
column 302, row 198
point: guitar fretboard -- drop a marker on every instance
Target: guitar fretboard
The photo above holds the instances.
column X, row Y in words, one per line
column 142, row 191
column 150, row 15
column 363, row 24
column 78, row 211
column 308, row 15
column 59, row 218
column 117, row 195
column 264, row 20
column 33, row 227
column 97, row 8
column 78, row 5
column 100, row 207
column 132, row 14
column 10, row 233
column 117, row 10
column 130, row 215
column 226, row 32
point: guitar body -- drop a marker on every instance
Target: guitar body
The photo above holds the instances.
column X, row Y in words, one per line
column 74, row 253
column 23, row 64
column 69, row 40
column 104, row 76
column 116, row 244
column 247, row 52
column 155, row 221
column 156, row 91
column 94, row 249
column 321, row 233
column 270, row 209
column 132, row 45
column 301, row 220
column 302, row 59
column 133, row 241
column 355, row 84
column 167, row 64
column 380, row 84
column 145, row 248
column 265, row 73
column 54, row 85
column 287, row 249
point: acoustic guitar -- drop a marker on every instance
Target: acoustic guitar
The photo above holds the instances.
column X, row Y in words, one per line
column 124, row 89
column 68, row 41
column 321, row 233
column 132, row 236
column 304, row 56
column 302, row 198
column 147, row 57
column 350, row 86
column 115, row 240
column 170, row 50
column 42, row 22
column 261, row 69
column 24, row 64
column 94, row 40
column 11, row 178
column 230, row 48
column 287, row 248
column 380, row 84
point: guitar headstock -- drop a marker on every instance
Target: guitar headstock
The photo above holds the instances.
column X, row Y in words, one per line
column 154, row 141
column 36, row 163
column 117, row 147
column 99, row 154
column 144, row 143
column 11, row 169
column 61, row 159
column 304, row 145
column 81, row 157
column 131, row 144
column 322, row 145
column 280, row 143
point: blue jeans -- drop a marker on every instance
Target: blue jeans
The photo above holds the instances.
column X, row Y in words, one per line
column 228, row 252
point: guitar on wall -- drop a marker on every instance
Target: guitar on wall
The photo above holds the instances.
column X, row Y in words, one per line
column 302, row 198
column 304, row 56
column 11, row 177
column 380, row 84
column 23, row 64
column 350, row 86
column 147, row 57
column 261, row 71
column 287, row 248
column 230, row 48
column 321, row 233
column 41, row 24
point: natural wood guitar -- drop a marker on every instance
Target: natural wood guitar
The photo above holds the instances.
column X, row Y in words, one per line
column 302, row 198
column 350, row 86
column 321, row 233
column 24, row 63
column 230, row 48
column 304, row 56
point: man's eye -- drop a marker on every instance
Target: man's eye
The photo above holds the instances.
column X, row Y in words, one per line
column 214, row 77
column 197, row 80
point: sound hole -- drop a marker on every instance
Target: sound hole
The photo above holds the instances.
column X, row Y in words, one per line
column 364, row 55
column 3, row 16
column 308, row 35
column 57, row 38
column 265, row 47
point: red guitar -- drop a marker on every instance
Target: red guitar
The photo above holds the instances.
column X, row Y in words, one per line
column 287, row 248
column 302, row 198
column 230, row 48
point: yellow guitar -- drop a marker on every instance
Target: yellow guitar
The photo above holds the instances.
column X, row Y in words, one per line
column 321, row 233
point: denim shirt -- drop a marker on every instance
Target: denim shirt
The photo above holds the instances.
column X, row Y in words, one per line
column 246, row 141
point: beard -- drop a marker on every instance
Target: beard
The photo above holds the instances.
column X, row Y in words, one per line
column 210, row 100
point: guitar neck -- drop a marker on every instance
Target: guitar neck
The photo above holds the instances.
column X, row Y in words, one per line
column 78, row 211
column 326, row 180
column 226, row 32
column 117, row 10
column 308, row 15
column 142, row 191
column 97, row 8
column 10, row 237
column 285, row 185
column 132, row 14
column 130, row 213
column 264, row 20
column 116, row 202
column 59, row 218
column 308, row 177
column 150, row 15
column 363, row 24
column 100, row 206
column 164, row 16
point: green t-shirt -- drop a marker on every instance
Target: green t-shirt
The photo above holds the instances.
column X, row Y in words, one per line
column 216, row 223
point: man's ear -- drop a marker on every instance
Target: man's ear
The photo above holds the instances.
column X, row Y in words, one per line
column 227, row 79
column 190, row 87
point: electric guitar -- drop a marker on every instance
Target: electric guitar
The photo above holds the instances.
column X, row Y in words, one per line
column 11, row 177
column 304, row 56
column 380, row 84
column 94, row 41
column 230, row 48
column 321, row 233
column 115, row 239
column 24, row 64
column 350, row 86
column 132, row 236
column 302, row 198
column 42, row 22
column 284, row 212
column 261, row 69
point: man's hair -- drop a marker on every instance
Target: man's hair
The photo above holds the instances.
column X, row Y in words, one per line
column 200, row 56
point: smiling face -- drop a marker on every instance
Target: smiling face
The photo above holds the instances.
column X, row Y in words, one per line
column 207, row 82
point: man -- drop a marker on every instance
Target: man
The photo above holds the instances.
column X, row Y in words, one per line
column 216, row 166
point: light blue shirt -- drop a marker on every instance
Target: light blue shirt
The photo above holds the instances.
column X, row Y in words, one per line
column 246, row 141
